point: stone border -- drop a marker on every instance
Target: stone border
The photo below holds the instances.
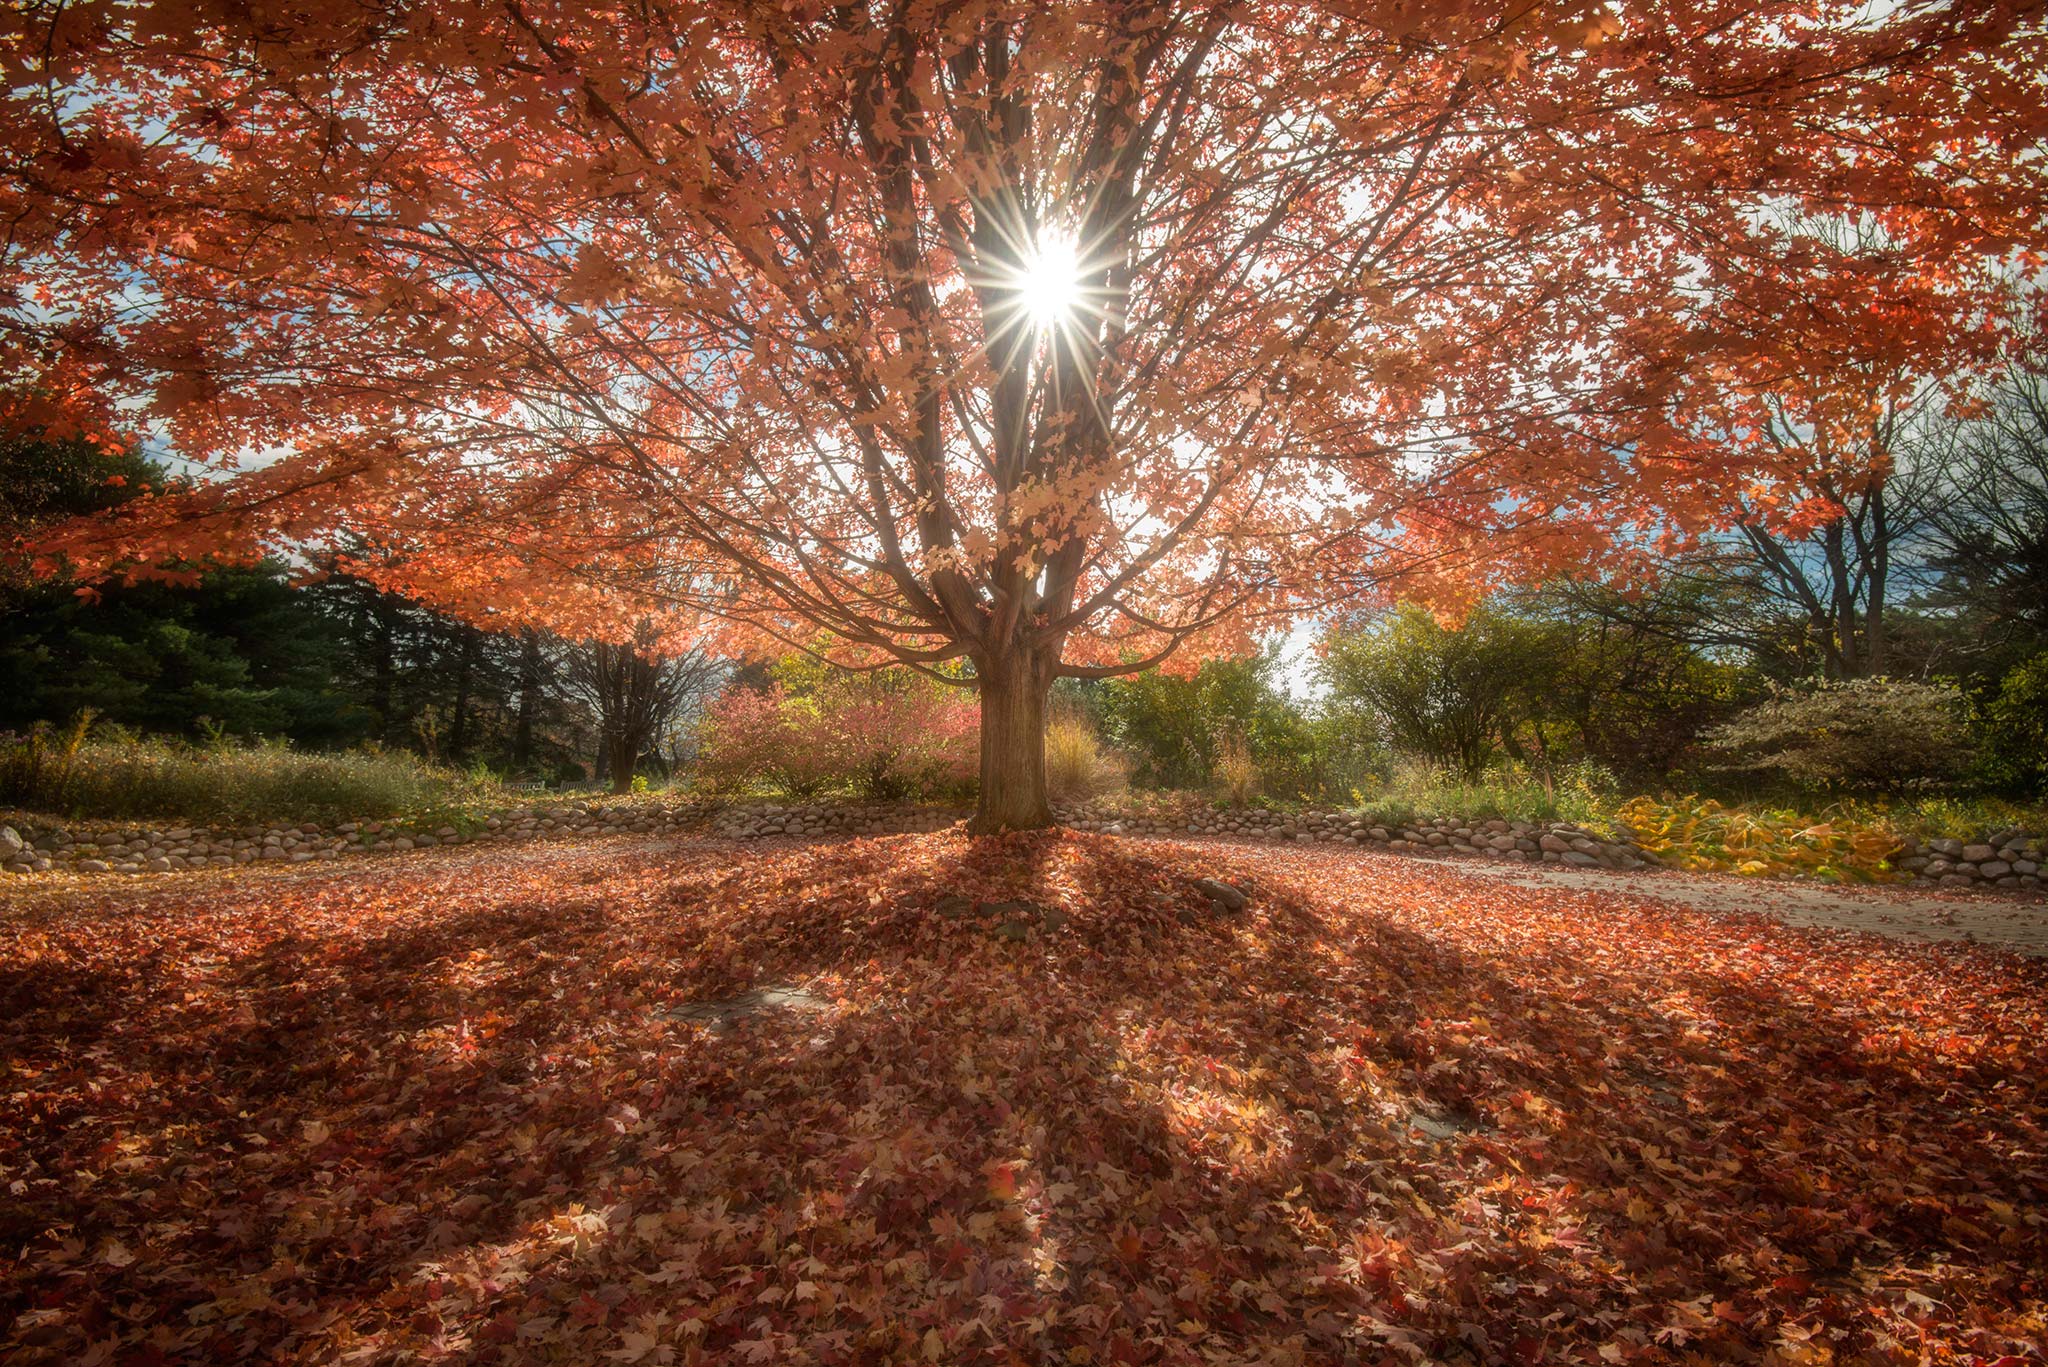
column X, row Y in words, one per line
column 2008, row 860
column 1556, row 842
column 132, row 849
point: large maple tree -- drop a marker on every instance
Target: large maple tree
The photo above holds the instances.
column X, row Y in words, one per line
column 1008, row 341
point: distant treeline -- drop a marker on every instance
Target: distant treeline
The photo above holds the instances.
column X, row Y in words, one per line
column 329, row 663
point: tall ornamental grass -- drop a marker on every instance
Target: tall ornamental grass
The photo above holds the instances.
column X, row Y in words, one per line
column 1077, row 765
column 72, row 773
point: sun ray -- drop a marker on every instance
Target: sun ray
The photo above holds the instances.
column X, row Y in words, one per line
column 1049, row 287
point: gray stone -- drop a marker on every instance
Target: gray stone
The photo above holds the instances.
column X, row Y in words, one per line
column 1552, row 844
column 1580, row 858
column 1993, row 868
column 1435, row 1128
column 11, row 842
column 1977, row 854
column 720, row 1015
column 1226, row 896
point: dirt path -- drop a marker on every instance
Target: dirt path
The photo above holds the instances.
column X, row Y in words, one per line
column 1907, row 914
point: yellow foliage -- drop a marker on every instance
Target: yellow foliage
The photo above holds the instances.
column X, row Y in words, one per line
column 1076, row 764
column 1699, row 833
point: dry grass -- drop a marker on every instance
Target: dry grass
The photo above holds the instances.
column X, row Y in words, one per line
column 1077, row 766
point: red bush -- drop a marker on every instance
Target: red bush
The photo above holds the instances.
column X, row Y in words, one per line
column 882, row 738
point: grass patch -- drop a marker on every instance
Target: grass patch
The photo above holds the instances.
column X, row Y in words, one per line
column 79, row 776
column 1583, row 794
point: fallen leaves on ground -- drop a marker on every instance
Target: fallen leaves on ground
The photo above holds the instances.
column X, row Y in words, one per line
column 451, row 1108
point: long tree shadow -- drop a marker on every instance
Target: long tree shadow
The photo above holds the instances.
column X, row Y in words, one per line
column 466, row 1121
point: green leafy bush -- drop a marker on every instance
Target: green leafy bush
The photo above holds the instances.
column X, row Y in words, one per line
column 1447, row 695
column 1173, row 726
column 1861, row 735
column 2012, row 729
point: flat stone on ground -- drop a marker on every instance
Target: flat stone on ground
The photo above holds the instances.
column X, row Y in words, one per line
column 1226, row 896
column 720, row 1015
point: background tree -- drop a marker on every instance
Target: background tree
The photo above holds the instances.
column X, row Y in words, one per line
column 1631, row 678
column 49, row 481
column 1990, row 538
column 1048, row 338
column 635, row 689
column 1173, row 725
column 1450, row 695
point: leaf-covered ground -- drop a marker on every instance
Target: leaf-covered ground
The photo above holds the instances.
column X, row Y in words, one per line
column 444, row 1108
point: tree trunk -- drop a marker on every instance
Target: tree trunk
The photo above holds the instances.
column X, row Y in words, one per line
column 458, row 728
column 1013, row 797
column 529, row 699
column 384, row 650
column 623, row 754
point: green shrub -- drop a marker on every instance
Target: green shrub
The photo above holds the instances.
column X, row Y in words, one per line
column 1954, row 817
column 1173, row 726
column 114, row 776
column 2012, row 729
column 1862, row 735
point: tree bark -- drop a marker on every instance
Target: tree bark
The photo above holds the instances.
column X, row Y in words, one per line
column 1013, row 796
column 623, row 755
column 384, row 652
column 529, row 698
column 458, row 728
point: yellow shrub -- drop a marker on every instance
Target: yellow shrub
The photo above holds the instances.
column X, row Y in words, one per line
column 1695, row 833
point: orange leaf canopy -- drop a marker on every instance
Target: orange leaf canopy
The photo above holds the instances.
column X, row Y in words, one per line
column 742, row 307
